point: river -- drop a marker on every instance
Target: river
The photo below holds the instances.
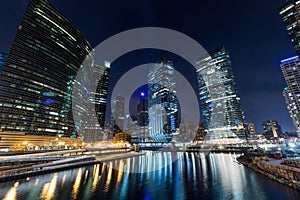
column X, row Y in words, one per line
column 191, row 176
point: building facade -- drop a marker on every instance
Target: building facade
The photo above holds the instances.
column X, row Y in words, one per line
column 94, row 130
column 162, row 101
column 219, row 100
column 142, row 118
column 290, row 15
column 3, row 58
column 37, row 78
column 118, row 115
column 272, row 129
column 291, row 71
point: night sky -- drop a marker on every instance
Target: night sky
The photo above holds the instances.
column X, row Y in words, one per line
column 252, row 32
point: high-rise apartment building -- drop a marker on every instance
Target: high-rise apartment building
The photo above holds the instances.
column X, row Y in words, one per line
column 291, row 71
column 162, row 102
column 219, row 99
column 38, row 76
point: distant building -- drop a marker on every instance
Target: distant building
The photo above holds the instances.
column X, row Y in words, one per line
column 3, row 58
column 291, row 71
column 122, row 137
column 251, row 128
column 245, row 130
column 38, row 76
column 290, row 14
column 188, row 131
column 272, row 129
column 162, row 101
column 96, row 131
column 118, row 115
column 142, row 118
column 219, row 100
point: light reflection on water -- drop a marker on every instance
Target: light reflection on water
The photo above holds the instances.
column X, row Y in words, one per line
column 192, row 176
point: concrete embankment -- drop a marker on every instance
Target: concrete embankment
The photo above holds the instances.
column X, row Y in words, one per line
column 25, row 169
column 284, row 172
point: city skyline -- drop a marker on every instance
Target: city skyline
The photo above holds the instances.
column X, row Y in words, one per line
column 262, row 59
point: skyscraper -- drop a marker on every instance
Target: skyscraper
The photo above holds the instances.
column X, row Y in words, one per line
column 162, row 101
column 3, row 58
column 291, row 71
column 272, row 129
column 102, row 93
column 290, row 14
column 93, row 130
column 118, row 115
column 37, row 78
column 142, row 118
column 219, row 100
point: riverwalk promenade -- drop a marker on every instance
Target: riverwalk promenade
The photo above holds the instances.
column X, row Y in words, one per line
column 25, row 165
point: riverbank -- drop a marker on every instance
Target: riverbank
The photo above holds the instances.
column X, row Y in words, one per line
column 286, row 172
column 27, row 166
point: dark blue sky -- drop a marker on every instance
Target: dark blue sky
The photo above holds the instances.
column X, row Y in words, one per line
column 251, row 31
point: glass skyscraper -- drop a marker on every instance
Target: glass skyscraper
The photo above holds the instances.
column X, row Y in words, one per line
column 37, row 79
column 102, row 93
column 291, row 71
column 290, row 14
column 162, row 101
column 219, row 100
column 290, row 67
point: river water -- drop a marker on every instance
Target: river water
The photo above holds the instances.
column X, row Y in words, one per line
column 191, row 176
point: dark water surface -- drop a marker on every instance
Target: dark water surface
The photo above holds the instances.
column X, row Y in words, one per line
column 192, row 176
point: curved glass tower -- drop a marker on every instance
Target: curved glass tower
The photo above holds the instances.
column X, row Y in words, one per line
column 37, row 78
column 219, row 100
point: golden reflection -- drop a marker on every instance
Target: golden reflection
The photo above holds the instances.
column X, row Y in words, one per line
column 63, row 180
column 108, row 179
column 96, row 176
column 12, row 193
column 76, row 183
column 48, row 190
column 121, row 171
column 86, row 175
column 128, row 166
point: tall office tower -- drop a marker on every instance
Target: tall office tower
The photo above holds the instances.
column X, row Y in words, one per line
column 3, row 58
column 291, row 71
column 142, row 118
column 37, row 78
column 93, row 130
column 219, row 100
column 102, row 92
column 272, row 129
column 290, row 14
column 162, row 101
column 118, row 115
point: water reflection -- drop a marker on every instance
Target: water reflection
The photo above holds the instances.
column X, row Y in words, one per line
column 192, row 176
column 12, row 193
